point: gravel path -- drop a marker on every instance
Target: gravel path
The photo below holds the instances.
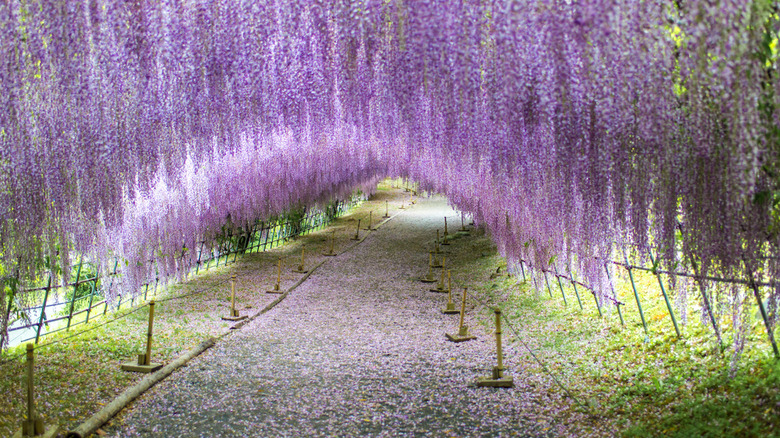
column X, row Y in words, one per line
column 356, row 350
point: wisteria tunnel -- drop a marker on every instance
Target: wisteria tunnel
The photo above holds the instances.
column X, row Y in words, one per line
column 274, row 191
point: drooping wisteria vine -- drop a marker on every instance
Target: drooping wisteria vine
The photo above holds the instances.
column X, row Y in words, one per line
column 135, row 129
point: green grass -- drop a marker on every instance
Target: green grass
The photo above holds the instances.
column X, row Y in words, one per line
column 648, row 386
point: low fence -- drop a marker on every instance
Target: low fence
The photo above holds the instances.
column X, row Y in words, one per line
column 85, row 295
column 752, row 287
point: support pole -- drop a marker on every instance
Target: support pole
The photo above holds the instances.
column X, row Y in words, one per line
column 612, row 287
column 357, row 231
column 522, row 269
column 663, row 291
column 547, row 282
column 636, row 294
column 387, row 210
column 497, row 379
column 560, row 286
column 761, row 308
column 43, row 310
column 75, row 291
column 463, row 330
column 707, row 305
column 595, row 297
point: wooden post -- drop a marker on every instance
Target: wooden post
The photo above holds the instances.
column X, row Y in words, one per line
column 497, row 379
column 301, row 268
column 429, row 277
column 33, row 425
column 332, row 251
column 445, row 228
column 370, row 220
column 498, row 372
column 387, row 210
column 234, row 316
column 463, row 228
column 463, row 330
column 148, row 357
column 450, row 309
column 233, row 295
column 145, row 364
column 440, row 286
column 276, row 289
column 357, row 231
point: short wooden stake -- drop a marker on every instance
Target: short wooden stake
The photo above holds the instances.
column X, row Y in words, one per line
column 33, row 425
column 402, row 206
column 436, row 262
column 429, row 276
column 276, row 289
column 144, row 364
column 445, row 227
column 497, row 379
column 463, row 330
column 463, row 228
column 370, row 221
column 450, row 309
column 440, row 287
column 436, row 249
column 234, row 315
column 387, row 211
column 411, row 201
column 302, row 267
column 332, row 251
column 357, row 231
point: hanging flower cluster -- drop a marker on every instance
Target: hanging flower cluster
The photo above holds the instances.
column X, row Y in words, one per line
column 134, row 129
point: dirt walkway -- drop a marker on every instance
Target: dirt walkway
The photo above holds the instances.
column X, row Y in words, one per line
column 357, row 350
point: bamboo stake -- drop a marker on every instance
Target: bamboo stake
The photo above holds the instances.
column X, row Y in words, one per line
column 148, row 356
column 450, row 308
column 429, row 276
column 497, row 379
column 276, row 289
column 332, row 251
column 233, row 296
column 357, row 231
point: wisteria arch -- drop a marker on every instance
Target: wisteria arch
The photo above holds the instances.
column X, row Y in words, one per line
column 134, row 129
